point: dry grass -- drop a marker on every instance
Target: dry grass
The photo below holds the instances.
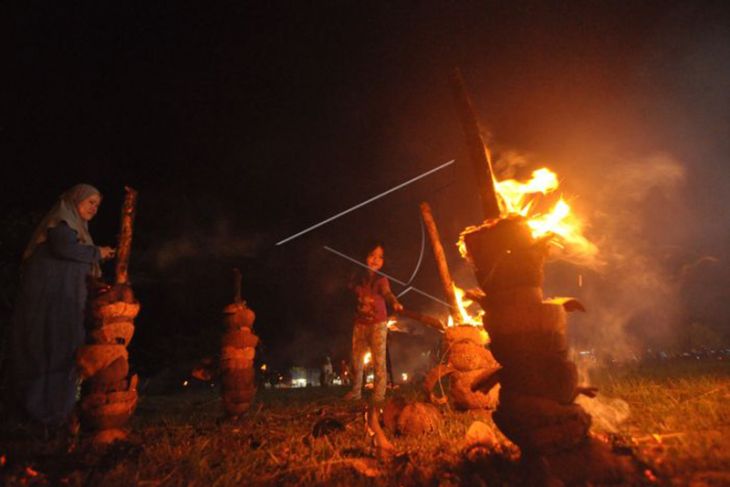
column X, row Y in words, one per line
column 678, row 426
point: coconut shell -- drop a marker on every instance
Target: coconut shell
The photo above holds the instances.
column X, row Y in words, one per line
column 468, row 356
column 92, row 401
column 521, row 268
column 114, row 311
column 108, row 436
column 119, row 332
column 242, row 338
column 537, row 425
column 114, row 372
column 532, row 412
column 419, row 418
column 516, row 296
column 465, row 398
column 238, row 378
column 89, row 387
column 546, row 317
column 92, row 358
column 473, row 334
column 519, row 348
column 239, row 395
column 238, row 315
column 552, row 379
column 110, row 415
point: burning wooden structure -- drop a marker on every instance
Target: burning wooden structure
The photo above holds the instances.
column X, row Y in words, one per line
column 466, row 358
column 108, row 393
column 539, row 384
column 238, row 349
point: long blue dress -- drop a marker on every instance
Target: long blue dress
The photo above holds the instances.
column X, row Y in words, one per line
column 48, row 324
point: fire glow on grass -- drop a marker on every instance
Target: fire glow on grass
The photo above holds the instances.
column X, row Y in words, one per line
column 559, row 222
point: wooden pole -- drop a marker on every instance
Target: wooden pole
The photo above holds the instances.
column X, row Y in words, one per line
column 427, row 320
column 124, row 246
column 478, row 152
column 236, row 285
column 438, row 253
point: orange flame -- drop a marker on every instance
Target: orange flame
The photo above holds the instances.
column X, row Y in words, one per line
column 465, row 317
column 560, row 223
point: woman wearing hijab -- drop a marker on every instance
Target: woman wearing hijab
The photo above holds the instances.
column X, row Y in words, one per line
column 48, row 322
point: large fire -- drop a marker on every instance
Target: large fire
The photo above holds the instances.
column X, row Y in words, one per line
column 559, row 222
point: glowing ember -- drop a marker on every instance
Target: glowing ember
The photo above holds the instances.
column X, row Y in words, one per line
column 263, row 367
column 367, row 358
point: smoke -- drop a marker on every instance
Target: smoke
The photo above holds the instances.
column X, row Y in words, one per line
column 637, row 222
column 218, row 243
column 607, row 412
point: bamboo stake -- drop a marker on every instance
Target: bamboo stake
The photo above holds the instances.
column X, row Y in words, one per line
column 124, row 247
column 236, row 285
column 438, row 253
column 478, row 152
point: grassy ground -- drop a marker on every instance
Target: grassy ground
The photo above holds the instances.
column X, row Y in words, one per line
column 677, row 429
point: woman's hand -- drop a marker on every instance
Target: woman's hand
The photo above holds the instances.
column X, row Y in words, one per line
column 107, row 252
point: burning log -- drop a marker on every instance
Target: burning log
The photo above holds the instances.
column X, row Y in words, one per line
column 427, row 320
column 475, row 144
column 108, row 395
column 439, row 255
column 463, row 345
column 238, row 349
column 528, row 333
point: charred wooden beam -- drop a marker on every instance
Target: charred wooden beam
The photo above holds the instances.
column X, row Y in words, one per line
column 427, row 320
column 124, row 247
column 438, row 253
column 478, row 152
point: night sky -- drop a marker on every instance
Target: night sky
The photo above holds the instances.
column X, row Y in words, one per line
column 242, row 124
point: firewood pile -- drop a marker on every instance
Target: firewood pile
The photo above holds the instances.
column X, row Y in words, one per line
column 108, row 392
column 238, row 349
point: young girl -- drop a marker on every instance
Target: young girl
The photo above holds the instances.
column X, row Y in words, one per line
column 370, row 328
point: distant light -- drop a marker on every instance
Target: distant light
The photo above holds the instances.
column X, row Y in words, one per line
column 263, row 368
column 404, row 376
column 185, row 383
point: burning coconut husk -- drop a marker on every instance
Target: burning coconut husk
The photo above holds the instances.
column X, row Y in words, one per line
column 108, row 393
column 528, row 333
column 466, row 358
column 238, row 349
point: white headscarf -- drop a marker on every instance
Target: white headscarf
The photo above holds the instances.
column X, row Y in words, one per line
column 65, row 210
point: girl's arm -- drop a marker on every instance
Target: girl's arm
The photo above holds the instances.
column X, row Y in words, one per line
column 390, row 297
column 64, row 245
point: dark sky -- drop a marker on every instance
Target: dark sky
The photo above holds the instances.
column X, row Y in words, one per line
column 241, row 124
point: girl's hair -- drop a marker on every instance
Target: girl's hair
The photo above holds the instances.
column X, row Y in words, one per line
column 369, row 246
column 361, row 274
